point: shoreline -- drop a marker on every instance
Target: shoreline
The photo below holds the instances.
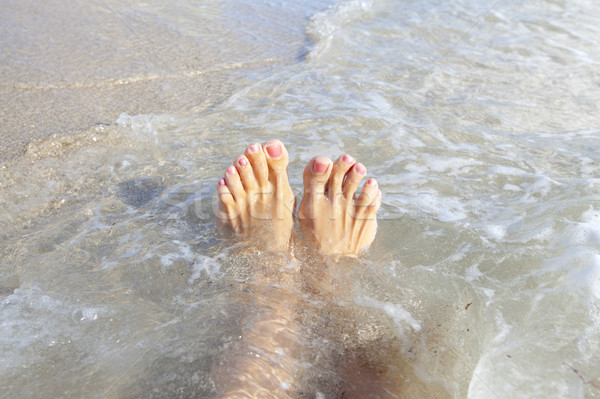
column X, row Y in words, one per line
column 70, row 68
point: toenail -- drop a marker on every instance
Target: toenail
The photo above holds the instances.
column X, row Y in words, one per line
column 222, row 182
column 360, row 169
column 254, row 148
column 231, row 170
column 319, row 167
column 274, row 151
column 243, row 161
column 371, row 182
column 348, row 159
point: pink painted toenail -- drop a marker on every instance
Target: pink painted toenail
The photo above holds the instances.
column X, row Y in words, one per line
column 243, row 161
column 371, row 182
column 274, row 151
column 348, row 159
column 231, row 170
column 360, row 169
column 222, row 182
column 319, row 167
column 254, row 148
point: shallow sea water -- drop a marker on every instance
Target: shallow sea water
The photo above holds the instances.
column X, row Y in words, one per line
column 479, row 120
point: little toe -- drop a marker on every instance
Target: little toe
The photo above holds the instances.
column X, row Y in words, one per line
column 257, row 159
column 246, row 174
column 340, row 168
column 226, row 202
column 369, row 193
column 232, row 178
column 353, row 178
column 374, row 206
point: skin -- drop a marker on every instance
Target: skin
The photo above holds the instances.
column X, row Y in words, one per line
column 332, row 217
column 257, row 202
column 256, row 199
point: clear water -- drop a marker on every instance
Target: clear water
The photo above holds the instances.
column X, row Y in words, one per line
column 479, row 120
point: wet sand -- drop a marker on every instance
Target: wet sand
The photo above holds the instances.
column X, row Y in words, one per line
column 67, row 67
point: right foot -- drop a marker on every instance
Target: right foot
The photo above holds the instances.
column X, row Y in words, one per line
column 330, row 214
column 255, row 197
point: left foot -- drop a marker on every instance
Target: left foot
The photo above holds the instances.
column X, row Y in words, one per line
column 330, row 215
column 255, row 197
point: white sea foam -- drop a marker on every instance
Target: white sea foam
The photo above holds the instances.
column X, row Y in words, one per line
column 450, row 165
column 496, row 232
column 585, row 231
column 507, row 170
column 445, row 209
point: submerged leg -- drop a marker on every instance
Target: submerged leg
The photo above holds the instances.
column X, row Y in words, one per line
column 263, row 361
column 256, row 201
column 255, row 196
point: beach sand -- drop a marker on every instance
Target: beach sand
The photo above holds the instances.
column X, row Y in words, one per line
column 67, row 67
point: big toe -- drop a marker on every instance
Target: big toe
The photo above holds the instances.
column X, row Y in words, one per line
column 316, row 174
column 277, row 155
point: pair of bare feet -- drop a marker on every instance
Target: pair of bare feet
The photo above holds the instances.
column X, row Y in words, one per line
column 256, row 201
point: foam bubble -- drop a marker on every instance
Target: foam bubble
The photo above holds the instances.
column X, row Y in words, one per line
column 496, row 231
column 591, row 225
column 446, row 209
column 588, row 275
column 540, row 187
column 449, row 165
column 511, row 187
column 586, row 231
column 507, row 170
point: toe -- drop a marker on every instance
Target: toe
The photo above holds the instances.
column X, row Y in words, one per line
column 257, row 159
column 353, row 178
column 276, row 155
column 277, row 161
column 374, row 206
column 232, row 178
column 246, row 174
column 316, row 175
column 340, row 168
column 368, row 194
column 226, row 202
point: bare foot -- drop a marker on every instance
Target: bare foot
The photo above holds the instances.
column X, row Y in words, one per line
column 330, row 214
column 255, row 197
